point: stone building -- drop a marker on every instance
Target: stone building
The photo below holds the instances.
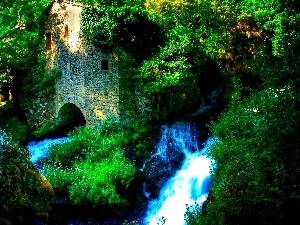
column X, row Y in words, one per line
column 89, row 78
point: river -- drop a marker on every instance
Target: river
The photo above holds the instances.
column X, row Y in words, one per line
column 189, row 186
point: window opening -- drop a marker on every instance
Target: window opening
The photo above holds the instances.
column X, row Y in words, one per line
column 104, row 64
column 48, row 41
column 67, row 31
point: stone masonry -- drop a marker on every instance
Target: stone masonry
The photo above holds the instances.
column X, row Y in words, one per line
column 89, row 78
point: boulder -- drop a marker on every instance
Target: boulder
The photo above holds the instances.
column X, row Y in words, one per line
column 25, row 195
column 161, row 166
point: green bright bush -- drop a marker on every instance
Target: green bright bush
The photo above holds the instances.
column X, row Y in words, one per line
column 65, row 153
column 92, row 168
column 98, row 182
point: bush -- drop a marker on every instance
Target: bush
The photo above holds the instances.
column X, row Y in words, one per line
column 256, row 174
column 48, row 128
column 92, row 167
column 11, row 123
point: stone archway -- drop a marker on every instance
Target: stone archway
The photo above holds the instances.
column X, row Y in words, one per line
column 69, row 117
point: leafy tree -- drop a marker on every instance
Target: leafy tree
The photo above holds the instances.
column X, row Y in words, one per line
column 127, row 27
column 20, row 27
column 255, row 174
column 22, row 30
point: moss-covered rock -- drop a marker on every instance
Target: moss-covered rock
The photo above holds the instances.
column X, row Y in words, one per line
column 25, row 195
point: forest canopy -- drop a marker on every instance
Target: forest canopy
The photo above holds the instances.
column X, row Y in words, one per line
column 21, row 25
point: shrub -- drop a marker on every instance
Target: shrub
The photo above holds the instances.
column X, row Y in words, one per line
column 48, row 128
column 256, row 174
column 92, row 167
column 11, row 123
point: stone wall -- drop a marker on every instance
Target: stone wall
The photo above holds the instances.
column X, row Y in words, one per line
column 84, row 82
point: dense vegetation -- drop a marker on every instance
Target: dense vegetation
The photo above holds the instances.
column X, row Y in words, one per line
column 256, row 175
column 172, row 53
column 22, row 65
column 92, row 167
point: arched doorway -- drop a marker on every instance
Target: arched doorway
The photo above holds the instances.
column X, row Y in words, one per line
column 70, row 117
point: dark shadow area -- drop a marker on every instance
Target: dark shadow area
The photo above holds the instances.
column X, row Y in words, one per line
column 139, row 36
column 69, row 117
column 130, row 29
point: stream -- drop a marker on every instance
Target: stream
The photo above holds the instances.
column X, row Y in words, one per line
column 189, row 186
column 39, row 149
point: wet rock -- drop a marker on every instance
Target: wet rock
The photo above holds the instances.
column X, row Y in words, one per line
column 163, row 164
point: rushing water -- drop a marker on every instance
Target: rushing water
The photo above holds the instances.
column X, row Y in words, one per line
column 39, row 149
column 190, row 185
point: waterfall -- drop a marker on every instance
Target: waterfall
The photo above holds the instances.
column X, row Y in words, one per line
column 190, row 185
column 209, row 103
column 39, row 149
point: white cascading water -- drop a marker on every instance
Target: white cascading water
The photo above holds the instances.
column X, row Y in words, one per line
column 190, row 185
column 39, row 149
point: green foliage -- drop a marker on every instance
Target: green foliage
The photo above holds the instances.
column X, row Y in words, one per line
column 176, row 78
column 40, row 82
column 98, row 27
column 167, row 60
column 244, row 38
column 17, row 129
column 37, row 88
column 48, row 128
column 92, row 167
column 47, row 82
column 171, row 66
column 13, row 125
column 19, row 21
column 98, row 182
column 256, row 172
column 21, row 60
column 126, row 27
